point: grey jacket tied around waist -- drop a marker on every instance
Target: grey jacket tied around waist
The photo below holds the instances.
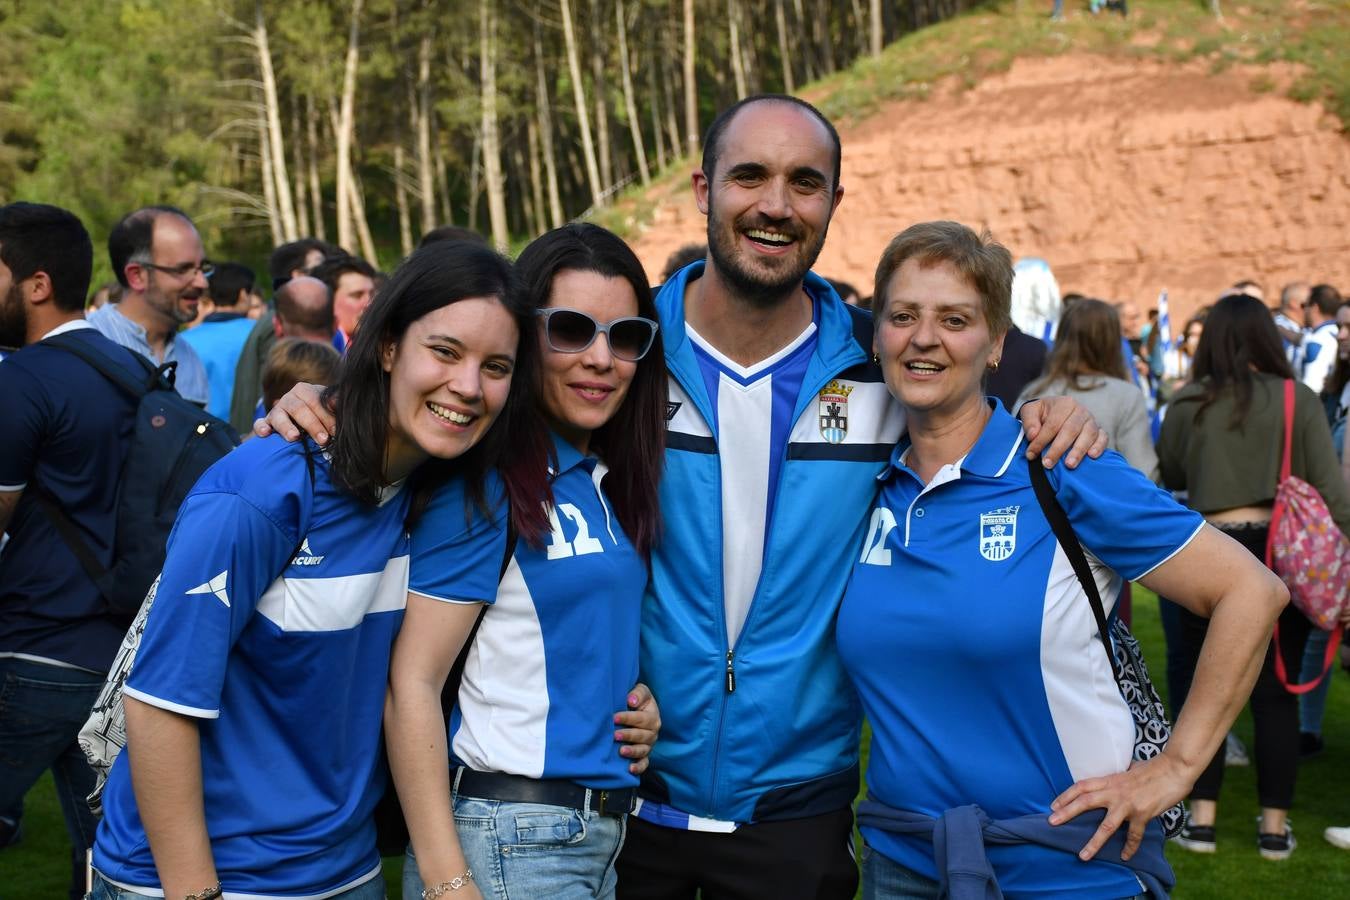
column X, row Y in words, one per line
column 960, row 836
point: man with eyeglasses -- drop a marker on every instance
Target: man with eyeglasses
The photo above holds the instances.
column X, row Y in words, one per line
column 157, row 257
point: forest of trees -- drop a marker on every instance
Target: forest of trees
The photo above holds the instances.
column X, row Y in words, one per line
column 370, row 121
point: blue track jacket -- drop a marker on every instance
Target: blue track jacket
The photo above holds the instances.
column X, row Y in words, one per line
column 766, row 729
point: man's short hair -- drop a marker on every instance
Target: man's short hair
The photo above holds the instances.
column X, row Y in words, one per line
column 452, row 233
column 133, row 237
column 289, row 257
column 1326, row 298
column 227, row 280
column 681, row 258
column 713, row 138
column 331, row 270
column 985, row 264
column 35, row 237
column 308, row 318
column 293, row 360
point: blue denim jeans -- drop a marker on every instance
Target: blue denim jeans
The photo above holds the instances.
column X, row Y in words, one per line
column 1312, row 705
column 42, row 708
column 106, row 890
column 520, row 851
column 885, row 879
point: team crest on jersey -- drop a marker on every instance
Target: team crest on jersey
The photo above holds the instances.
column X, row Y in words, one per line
column 998, row 533
column 833, row 401
column 672, row 407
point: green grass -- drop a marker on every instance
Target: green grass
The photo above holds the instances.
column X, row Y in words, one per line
column 37, row 870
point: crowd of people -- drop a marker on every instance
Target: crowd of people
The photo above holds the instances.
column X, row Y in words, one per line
column 602, row 579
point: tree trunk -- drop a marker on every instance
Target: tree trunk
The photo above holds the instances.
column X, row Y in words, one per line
column 405, row 236
column 820, row 27
column 601, row 91
column 474, row 176
column 808, row 51
column 301, row 194
column 690, row 87
column 784, row 48
column 876, row 29
column 363, row 235
column 347, row 117
column 579, row 99
column 268, row 181
column 654, row 89
column 284, row 204
column 442, row 185
column 492, row 151
column 734, row 46
column 540, row 223
column 315, row 186
column 1214, row 8
column 668, row 91
column 426, row 181
column 629, row 101
column 543, row 110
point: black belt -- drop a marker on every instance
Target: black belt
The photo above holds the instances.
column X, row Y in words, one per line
column 520, row 789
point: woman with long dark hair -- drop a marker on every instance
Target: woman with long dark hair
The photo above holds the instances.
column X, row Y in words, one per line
column 535, row 799
column 1086, row 363
column 253, row 759
column 1221, row 443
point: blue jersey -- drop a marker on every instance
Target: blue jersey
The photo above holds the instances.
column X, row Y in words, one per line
column 557, row 651
column 975, row 652
column 757, row 403
column 765, row 728
column 284, row 675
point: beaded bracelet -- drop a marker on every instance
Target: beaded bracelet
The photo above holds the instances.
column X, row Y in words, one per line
column 446, row 887
column 211, row 893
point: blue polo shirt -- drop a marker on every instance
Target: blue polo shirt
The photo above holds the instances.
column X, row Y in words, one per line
column 557, row 651
column 975, row 652
column 65, row 428
column 282, row 661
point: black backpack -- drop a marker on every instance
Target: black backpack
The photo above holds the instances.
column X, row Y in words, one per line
column 173, row 443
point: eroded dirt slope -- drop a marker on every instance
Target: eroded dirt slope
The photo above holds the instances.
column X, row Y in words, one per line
column 1127, row 177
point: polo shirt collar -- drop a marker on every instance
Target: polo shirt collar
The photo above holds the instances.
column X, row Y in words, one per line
column 566, row 457
column 139, row 330
column 995, row 449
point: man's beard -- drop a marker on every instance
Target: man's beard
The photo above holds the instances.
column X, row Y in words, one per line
column 13, row 319
column 764, row 291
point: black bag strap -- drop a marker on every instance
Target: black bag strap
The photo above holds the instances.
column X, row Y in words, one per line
column 154, row 376
column 1073, row 550
column 70, row 532
column 119, row 376
column 450, row 690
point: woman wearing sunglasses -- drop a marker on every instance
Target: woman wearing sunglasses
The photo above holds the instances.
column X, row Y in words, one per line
column 539, row 788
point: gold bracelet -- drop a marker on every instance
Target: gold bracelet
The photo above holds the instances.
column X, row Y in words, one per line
column 446, row 887
column 211, row 893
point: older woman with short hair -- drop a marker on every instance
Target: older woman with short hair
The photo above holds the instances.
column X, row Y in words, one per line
column 994, row 708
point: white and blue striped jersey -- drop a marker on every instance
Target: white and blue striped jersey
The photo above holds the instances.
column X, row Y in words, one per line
column 557, row 651
column 284, row 674
column 757, row 404
column 976, row 653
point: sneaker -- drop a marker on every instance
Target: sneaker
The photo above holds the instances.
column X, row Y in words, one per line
column 1196, row 838
column 1277, row 846
column 11, row 833
column 1234, row 754
column 1310, row 745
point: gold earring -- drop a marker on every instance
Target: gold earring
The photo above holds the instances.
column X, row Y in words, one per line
column 993, row 365
column 876, row 359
